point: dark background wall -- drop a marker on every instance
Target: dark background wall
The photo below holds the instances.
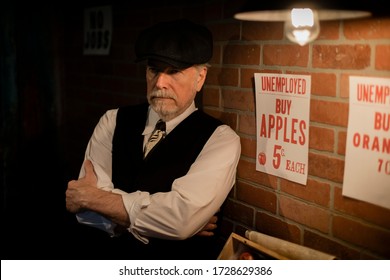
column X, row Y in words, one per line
column 52, row 96
column 33, row 172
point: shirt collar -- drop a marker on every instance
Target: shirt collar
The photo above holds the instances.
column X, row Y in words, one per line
column 170, row 125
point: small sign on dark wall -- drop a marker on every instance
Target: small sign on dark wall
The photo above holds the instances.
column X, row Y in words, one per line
column 97, row 30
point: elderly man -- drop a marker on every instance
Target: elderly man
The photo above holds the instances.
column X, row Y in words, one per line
column 155, row 173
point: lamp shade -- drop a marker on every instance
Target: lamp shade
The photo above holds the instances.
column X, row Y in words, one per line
column 278, row 10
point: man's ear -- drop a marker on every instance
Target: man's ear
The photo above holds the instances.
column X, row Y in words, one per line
column 201, row 78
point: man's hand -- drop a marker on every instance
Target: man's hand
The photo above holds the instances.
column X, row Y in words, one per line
column 208, row 229
column 79, row 190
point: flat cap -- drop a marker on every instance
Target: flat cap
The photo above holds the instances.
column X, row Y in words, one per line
column 180, row 43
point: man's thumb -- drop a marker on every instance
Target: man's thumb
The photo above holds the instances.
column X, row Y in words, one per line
column 88, row 167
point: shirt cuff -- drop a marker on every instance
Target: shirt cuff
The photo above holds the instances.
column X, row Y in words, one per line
column 133, row 203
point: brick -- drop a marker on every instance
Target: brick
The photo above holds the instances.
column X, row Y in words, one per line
column 238, row 99
column 248, row 147
column 321, row 138
column 367, row 29
column 323, row 84
column 341, row 56
column 326, row 167
column 225, row 31
column 327, row 245
column 247, row 170
column 227, row 118
column 361, row 209
column 329, row 30
column 239, row 212
column 242, row 54
column 363, row 235
column 382, row 57
column 222, row 76
column 256, row 196
column 341, row 142
column 230, row 119
column 210, row 96
column 252, row 31
column 329, row 112
column 277, row 227
column 344, row 85
column 305, row 214
column 217, row 55
column 247, row 124
column 226, row 227
column 314, row 191
column 232, row 191
column 286, row 55
column 247, row 76
column 212, row 78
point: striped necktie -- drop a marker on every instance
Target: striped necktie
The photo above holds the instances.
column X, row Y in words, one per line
column 157, row 135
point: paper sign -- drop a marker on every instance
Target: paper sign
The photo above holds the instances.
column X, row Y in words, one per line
column 367, row 159
column 97, row 30
column 282, row 123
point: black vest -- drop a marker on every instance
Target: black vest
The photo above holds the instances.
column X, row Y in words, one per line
column 170, row 160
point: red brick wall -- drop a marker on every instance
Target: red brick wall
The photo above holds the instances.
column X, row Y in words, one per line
column 315, row 215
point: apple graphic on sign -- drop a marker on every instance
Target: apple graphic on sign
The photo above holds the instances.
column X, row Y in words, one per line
column 262, row 158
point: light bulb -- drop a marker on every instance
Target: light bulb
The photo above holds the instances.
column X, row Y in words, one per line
column 302, row 26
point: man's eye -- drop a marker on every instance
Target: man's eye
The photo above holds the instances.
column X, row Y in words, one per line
column 152, row 70
column 173, row 71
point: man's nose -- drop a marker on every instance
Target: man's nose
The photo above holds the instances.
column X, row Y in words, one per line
column 162, row 80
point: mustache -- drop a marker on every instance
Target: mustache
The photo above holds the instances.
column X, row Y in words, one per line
column 162, row 94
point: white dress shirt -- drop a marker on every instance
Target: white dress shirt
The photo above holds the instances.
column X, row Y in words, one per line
column 193, row 199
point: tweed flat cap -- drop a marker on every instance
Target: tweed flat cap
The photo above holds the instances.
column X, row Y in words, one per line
column 180, row 43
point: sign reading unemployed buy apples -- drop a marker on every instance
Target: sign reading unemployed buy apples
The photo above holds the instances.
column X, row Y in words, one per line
column 282, row 122
column 367, row 158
